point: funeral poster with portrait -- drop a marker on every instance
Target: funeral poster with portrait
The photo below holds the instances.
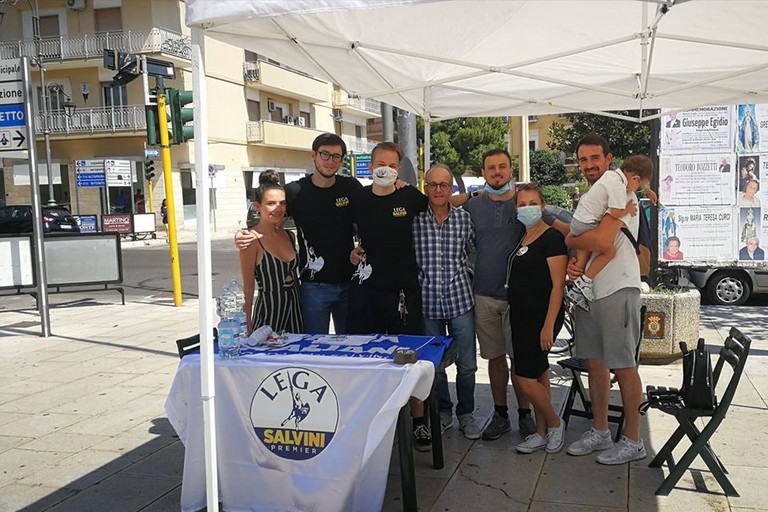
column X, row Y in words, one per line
column 697, row 233
column 701, row 130
column 697, row 179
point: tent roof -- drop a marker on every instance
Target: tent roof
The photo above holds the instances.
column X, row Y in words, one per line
column 454, row 58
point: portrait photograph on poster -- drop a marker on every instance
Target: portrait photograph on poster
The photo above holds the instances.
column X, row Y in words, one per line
column 747, row 134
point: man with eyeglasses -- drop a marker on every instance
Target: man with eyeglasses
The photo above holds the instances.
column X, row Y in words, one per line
column 443, row 237
column 320, row 204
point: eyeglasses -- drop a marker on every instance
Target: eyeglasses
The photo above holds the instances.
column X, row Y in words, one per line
column 324, row 155
column 442, row 186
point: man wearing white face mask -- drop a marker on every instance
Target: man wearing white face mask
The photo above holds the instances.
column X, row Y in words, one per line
column 385, row 295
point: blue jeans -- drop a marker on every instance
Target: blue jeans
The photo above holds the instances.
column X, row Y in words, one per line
column 462, row 330
column 319, row 301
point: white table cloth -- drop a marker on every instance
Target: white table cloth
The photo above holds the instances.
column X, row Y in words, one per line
column 294, row 432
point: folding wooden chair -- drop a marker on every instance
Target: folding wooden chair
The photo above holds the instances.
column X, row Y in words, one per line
column 734, row 352
column 577, row 367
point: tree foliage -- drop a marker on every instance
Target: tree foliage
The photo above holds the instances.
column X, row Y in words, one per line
column 625, row 137
column 557, row 196
column 547, row 168
column 460, row 143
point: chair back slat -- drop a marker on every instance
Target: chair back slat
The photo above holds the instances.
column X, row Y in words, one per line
column 734, row 352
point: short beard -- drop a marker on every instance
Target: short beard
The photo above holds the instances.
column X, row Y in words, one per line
column 320, row 171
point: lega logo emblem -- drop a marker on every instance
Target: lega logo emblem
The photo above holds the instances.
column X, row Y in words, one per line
column 295, row 413
column 341, row 202
column 399, row 211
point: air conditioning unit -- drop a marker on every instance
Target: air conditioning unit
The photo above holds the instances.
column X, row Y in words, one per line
column 288, row 119
column 271, row 106
column 337, row 116
column 302, row 122
column 76, row 4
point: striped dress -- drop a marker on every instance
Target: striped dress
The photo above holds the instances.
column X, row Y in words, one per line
column 278, row 303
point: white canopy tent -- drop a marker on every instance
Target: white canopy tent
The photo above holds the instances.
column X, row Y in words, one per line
column 454, row 58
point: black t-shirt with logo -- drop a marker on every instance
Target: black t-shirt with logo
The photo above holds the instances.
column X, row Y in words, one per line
column 324, row 220
column 385, row 224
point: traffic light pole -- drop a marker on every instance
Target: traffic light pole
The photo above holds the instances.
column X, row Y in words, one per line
column 149, row 191
column 165, row 153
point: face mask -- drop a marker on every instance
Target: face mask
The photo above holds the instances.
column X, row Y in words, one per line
column 529, row 215
column 384, row 176
column 498, row 192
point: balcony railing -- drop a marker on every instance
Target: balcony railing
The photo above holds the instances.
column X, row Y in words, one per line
column 96, row 120
column 358, row 145
column 91, row 46
column 364, row 104
column 253, row 131
column 251, row 71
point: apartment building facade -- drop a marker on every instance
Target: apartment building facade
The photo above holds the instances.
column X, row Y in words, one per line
column 261, row 115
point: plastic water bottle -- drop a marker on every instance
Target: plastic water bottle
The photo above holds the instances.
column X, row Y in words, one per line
column 242, row 324
column 259, row 336
column 229, row 341
column 229, row 325
column 239, row 294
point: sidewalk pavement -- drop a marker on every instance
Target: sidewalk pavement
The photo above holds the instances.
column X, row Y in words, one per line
column 82, row 425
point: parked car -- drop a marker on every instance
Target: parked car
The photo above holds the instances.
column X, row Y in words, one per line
column 18, row 219
column 729, row 286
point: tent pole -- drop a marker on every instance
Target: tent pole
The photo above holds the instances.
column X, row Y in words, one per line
column 525, row 166
column 427, row 129
column 204, row 269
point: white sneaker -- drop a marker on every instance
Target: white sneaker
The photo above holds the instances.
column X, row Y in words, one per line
column 446, row 420
column 532, row 443
column 585, row 287
column 556, row 438
column 591, row 440
column 469, row 427
column 578, row 298
column 624, row 451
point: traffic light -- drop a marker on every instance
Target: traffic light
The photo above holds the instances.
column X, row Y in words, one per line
column 149, row 169
column 347, row 164
column 180, row 116
column 153, row 125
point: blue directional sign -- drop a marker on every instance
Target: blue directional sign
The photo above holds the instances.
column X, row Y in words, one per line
column 361, row 165
column 12, row 115
column 151, row 153
column 91, row 179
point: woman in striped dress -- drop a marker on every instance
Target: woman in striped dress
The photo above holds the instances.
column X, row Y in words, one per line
column 271, row 264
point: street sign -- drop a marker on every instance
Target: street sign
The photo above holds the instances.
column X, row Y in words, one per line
column 12, row 140
column 118, row 173
column 151, row 153
column 90, row 173
column 361, row 164
column 12, row 116
column 91, row 180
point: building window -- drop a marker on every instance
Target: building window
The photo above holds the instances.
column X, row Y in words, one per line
column 307, row 120
column 108, row 20
column 358, row 131
column 56, row 99
column 254, row 110
column 114, row 96
column 531, row 146
column 49, row 26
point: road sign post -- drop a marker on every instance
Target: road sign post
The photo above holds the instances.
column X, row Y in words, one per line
column 18, row 70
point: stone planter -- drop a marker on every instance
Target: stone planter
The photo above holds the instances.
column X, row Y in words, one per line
column 671, row 317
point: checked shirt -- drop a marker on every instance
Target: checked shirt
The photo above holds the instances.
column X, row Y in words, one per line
column 441, row 253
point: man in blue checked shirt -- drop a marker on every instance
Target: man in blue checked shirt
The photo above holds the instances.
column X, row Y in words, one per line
column 442, row 237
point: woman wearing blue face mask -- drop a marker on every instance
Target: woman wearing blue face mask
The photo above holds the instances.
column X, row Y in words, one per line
column 535, row 284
